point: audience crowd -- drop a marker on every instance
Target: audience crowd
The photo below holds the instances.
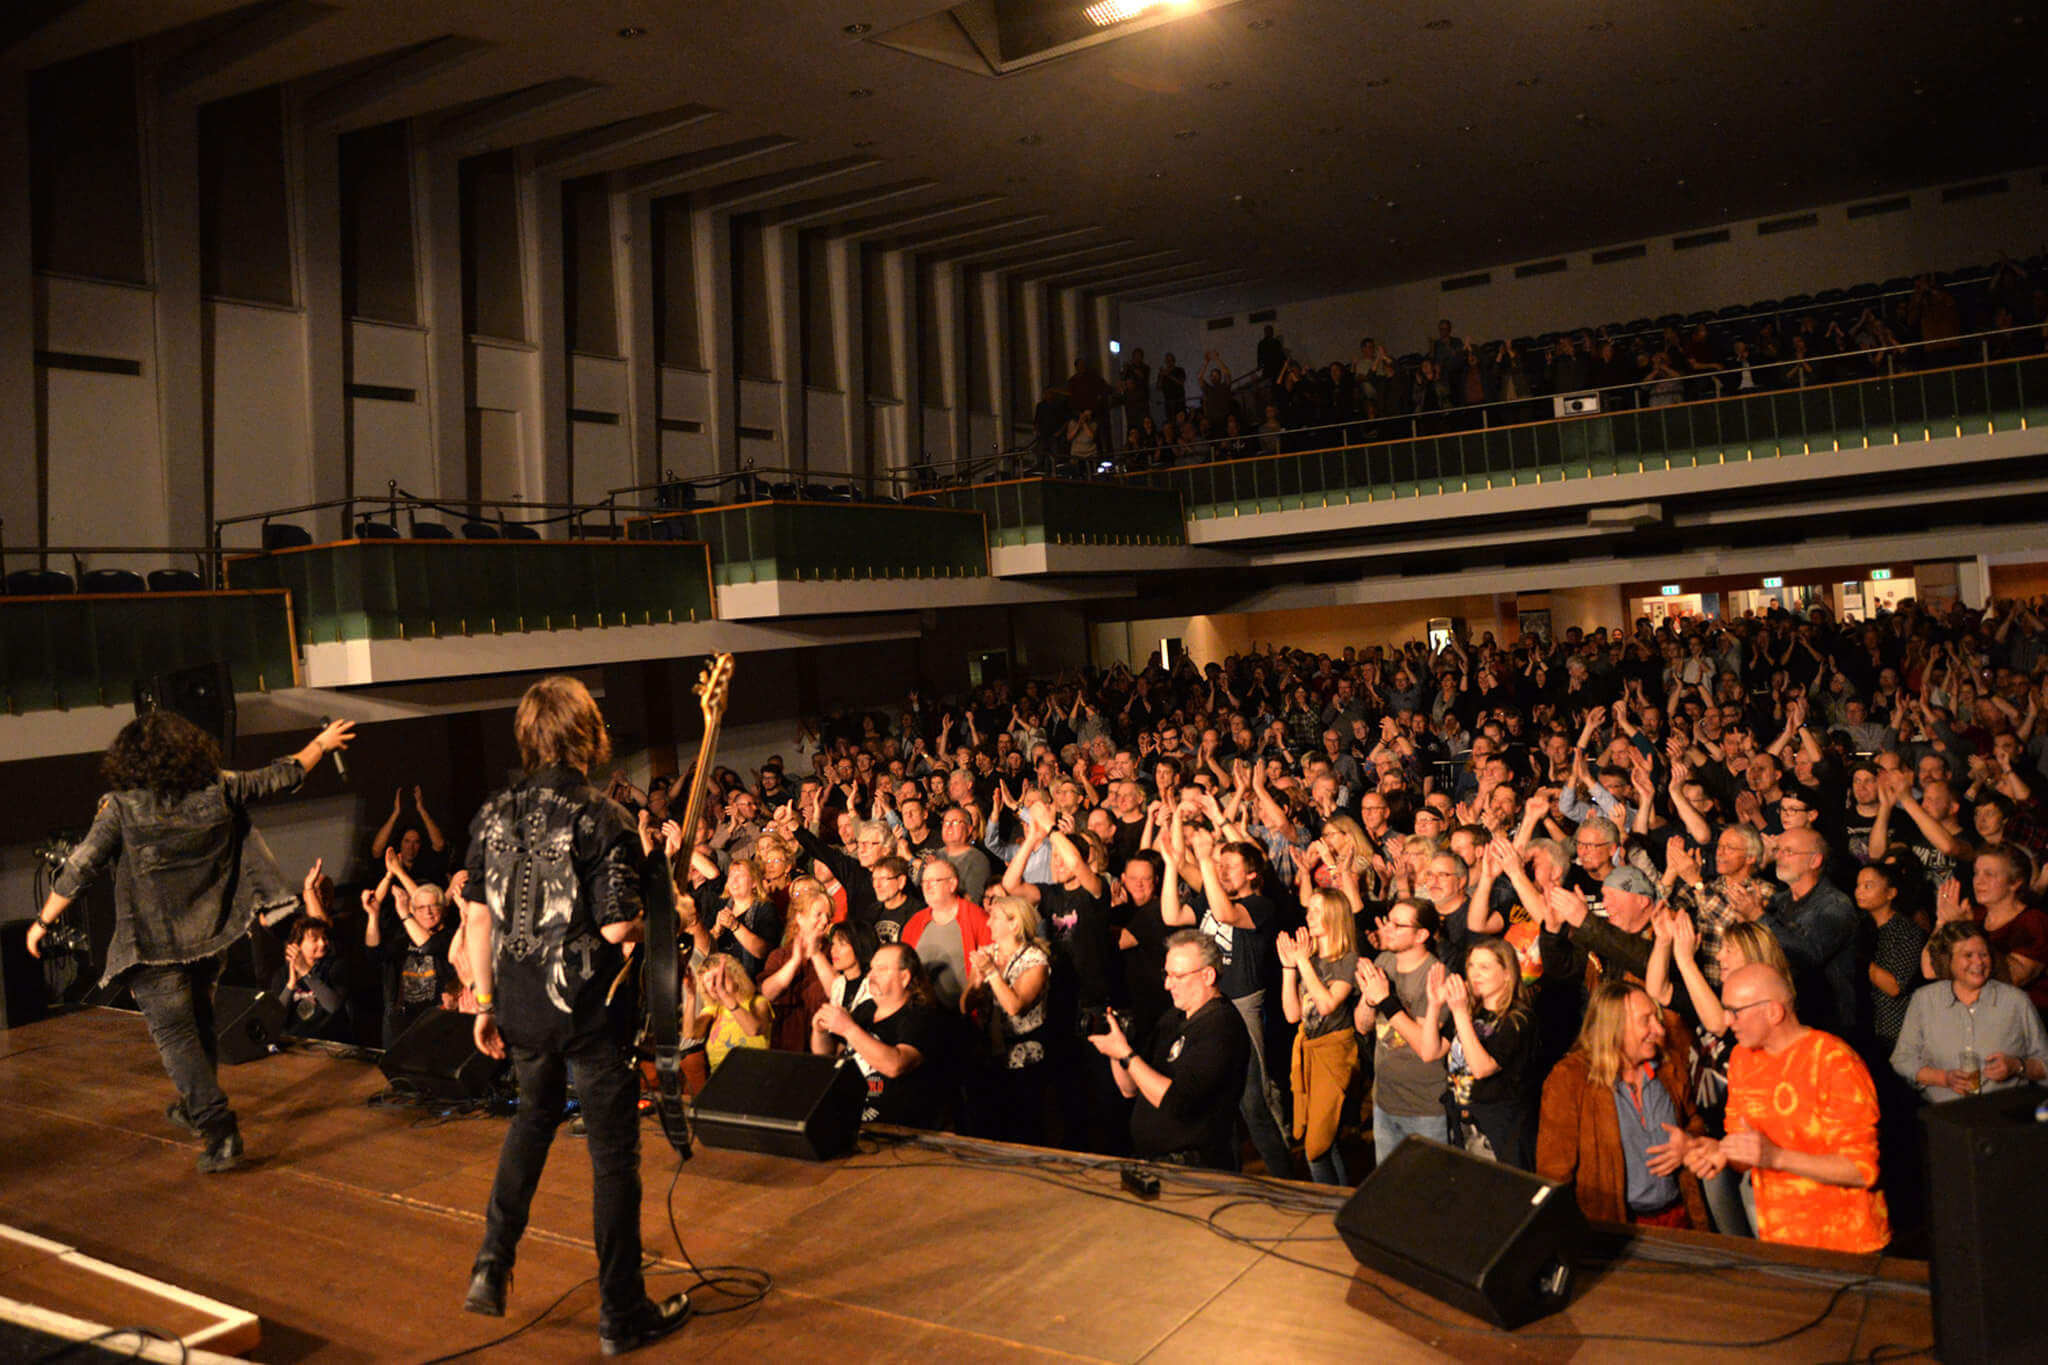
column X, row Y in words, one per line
column 1150, row 418
column 1695, row 916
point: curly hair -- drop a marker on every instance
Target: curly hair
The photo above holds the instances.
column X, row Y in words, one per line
column 162, row 752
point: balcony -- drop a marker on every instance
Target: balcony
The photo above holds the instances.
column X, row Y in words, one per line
column 86, row 651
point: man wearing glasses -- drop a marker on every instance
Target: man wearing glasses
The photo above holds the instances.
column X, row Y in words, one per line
column 1815, row 923
column 1802, row 1117
column 1187, row 1084
column 1393, row 1000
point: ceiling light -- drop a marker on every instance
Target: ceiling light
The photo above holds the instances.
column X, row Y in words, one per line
column 1438, row 25
column 1259, row 25
column 1159, row 175
column 1529, row 82
column 1219, row 85
column 855, row 30
column 1186, row 135
column 632, row 31
column 1377, row 81
column 862, row 143
column 1464, row 127
column 859, row 92
column 1103, row 13
column 1028, row 140
column 1600, row 26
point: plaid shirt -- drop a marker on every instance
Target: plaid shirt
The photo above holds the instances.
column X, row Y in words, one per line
column 1713, row 915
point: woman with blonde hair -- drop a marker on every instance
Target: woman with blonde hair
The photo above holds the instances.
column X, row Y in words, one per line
column 1007, row 985
column 1490, row 1050
column 791, row 985
column 1677, row 944
column 1316, row 968
column 732, row 1013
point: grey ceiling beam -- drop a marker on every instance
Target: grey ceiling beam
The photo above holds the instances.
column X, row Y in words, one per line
column 404, row 69
column 1067, row 279
column 827, row 208
column 668, row 174
column 23, row 19
column 476, row 129
column 578, row 150
column 254, row 30
column 923, row 241
column 741, row 195
column 1138, row 293
column 1165, row 274
column 1072, row 256
column 992, row 250
column 876, row 224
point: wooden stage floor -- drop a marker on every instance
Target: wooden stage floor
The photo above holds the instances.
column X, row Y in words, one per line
column 351, row 1230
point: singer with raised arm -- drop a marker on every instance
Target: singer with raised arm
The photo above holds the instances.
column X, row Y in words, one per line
column 189, row 880
column 553, row 896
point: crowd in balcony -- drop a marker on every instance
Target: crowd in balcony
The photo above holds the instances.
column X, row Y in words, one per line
column 1151, row 417
column 1694, row 915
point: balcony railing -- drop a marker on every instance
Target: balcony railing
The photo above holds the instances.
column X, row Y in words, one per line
column 420, row 589
column 61, row 652
column 827, row 542
column 1072, row 512
column 1927, row 405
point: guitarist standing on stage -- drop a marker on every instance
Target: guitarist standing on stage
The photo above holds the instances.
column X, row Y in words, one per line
column 554, row 895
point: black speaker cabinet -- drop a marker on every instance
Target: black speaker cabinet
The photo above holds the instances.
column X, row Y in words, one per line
column 1988, row 1214
column 437, row 1056
column 204, row 695
column 781, row 1103
column 1487, row 1239
column 248, row 1023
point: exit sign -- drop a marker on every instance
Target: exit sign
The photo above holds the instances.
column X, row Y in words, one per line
column 1670, row 590
column 1774, row 582
column 1879, row 575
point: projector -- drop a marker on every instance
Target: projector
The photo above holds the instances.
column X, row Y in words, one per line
column 1575, row 404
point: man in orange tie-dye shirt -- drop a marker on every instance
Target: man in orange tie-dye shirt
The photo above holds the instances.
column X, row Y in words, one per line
column 1802, row 1117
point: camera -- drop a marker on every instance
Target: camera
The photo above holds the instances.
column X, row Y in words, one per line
column 1094, row 1021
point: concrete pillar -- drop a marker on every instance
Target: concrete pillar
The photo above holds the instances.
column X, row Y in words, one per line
column 785, row 268
column 711, row 238
column 317, row 188
column 843, row 267
column 437, row 210
column 632, row 221
column 550, row 453
column 183, row 356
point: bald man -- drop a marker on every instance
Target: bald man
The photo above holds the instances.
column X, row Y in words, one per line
column 1802, row 1118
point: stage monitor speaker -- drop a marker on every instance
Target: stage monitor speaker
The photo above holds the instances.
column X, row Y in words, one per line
column 248, row 1023
column 781, row 1103
column 1485, row 1238
column 436, row 1056
column 24, row 994
column 204, row 695
column 1985, row 1157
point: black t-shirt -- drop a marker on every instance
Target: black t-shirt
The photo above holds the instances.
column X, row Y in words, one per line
column 1143, row 966
column 1080, row 929
column 1206, row 1055
column 414, row 975
column 911, row 1099
column 1510, row 1039
column 1244, row 951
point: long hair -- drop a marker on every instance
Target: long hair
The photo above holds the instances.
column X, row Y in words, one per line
column 920, row 978
column 1758, row 944
column 558, row 723
column 1331, row 913
column 1600, row 1035
column 161, row 752
column 1520, row 998
column 1029, row 927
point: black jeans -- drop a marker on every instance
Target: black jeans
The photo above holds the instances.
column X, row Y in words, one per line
column 177, row 1003
column 609, row 1091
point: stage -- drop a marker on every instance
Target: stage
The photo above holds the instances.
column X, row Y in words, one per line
column 350, row 1231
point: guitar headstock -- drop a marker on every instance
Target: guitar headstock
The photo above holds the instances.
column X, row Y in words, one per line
column 712, row 686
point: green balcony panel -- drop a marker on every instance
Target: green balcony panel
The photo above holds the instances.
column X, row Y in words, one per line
column 829, row 542
column 66, row 652
column 1073, row 512
column 418, row 589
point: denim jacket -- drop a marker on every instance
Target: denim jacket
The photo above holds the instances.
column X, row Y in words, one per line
column 192, row 874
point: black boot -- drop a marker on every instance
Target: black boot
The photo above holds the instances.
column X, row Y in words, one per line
column 488, row 1285
column 644, row 1326
column 223, row 1149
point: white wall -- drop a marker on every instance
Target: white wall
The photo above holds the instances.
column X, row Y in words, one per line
column 1835, row 254
column 603, row 451
column 106, row 462
column 390, row 440
column 262, row 439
